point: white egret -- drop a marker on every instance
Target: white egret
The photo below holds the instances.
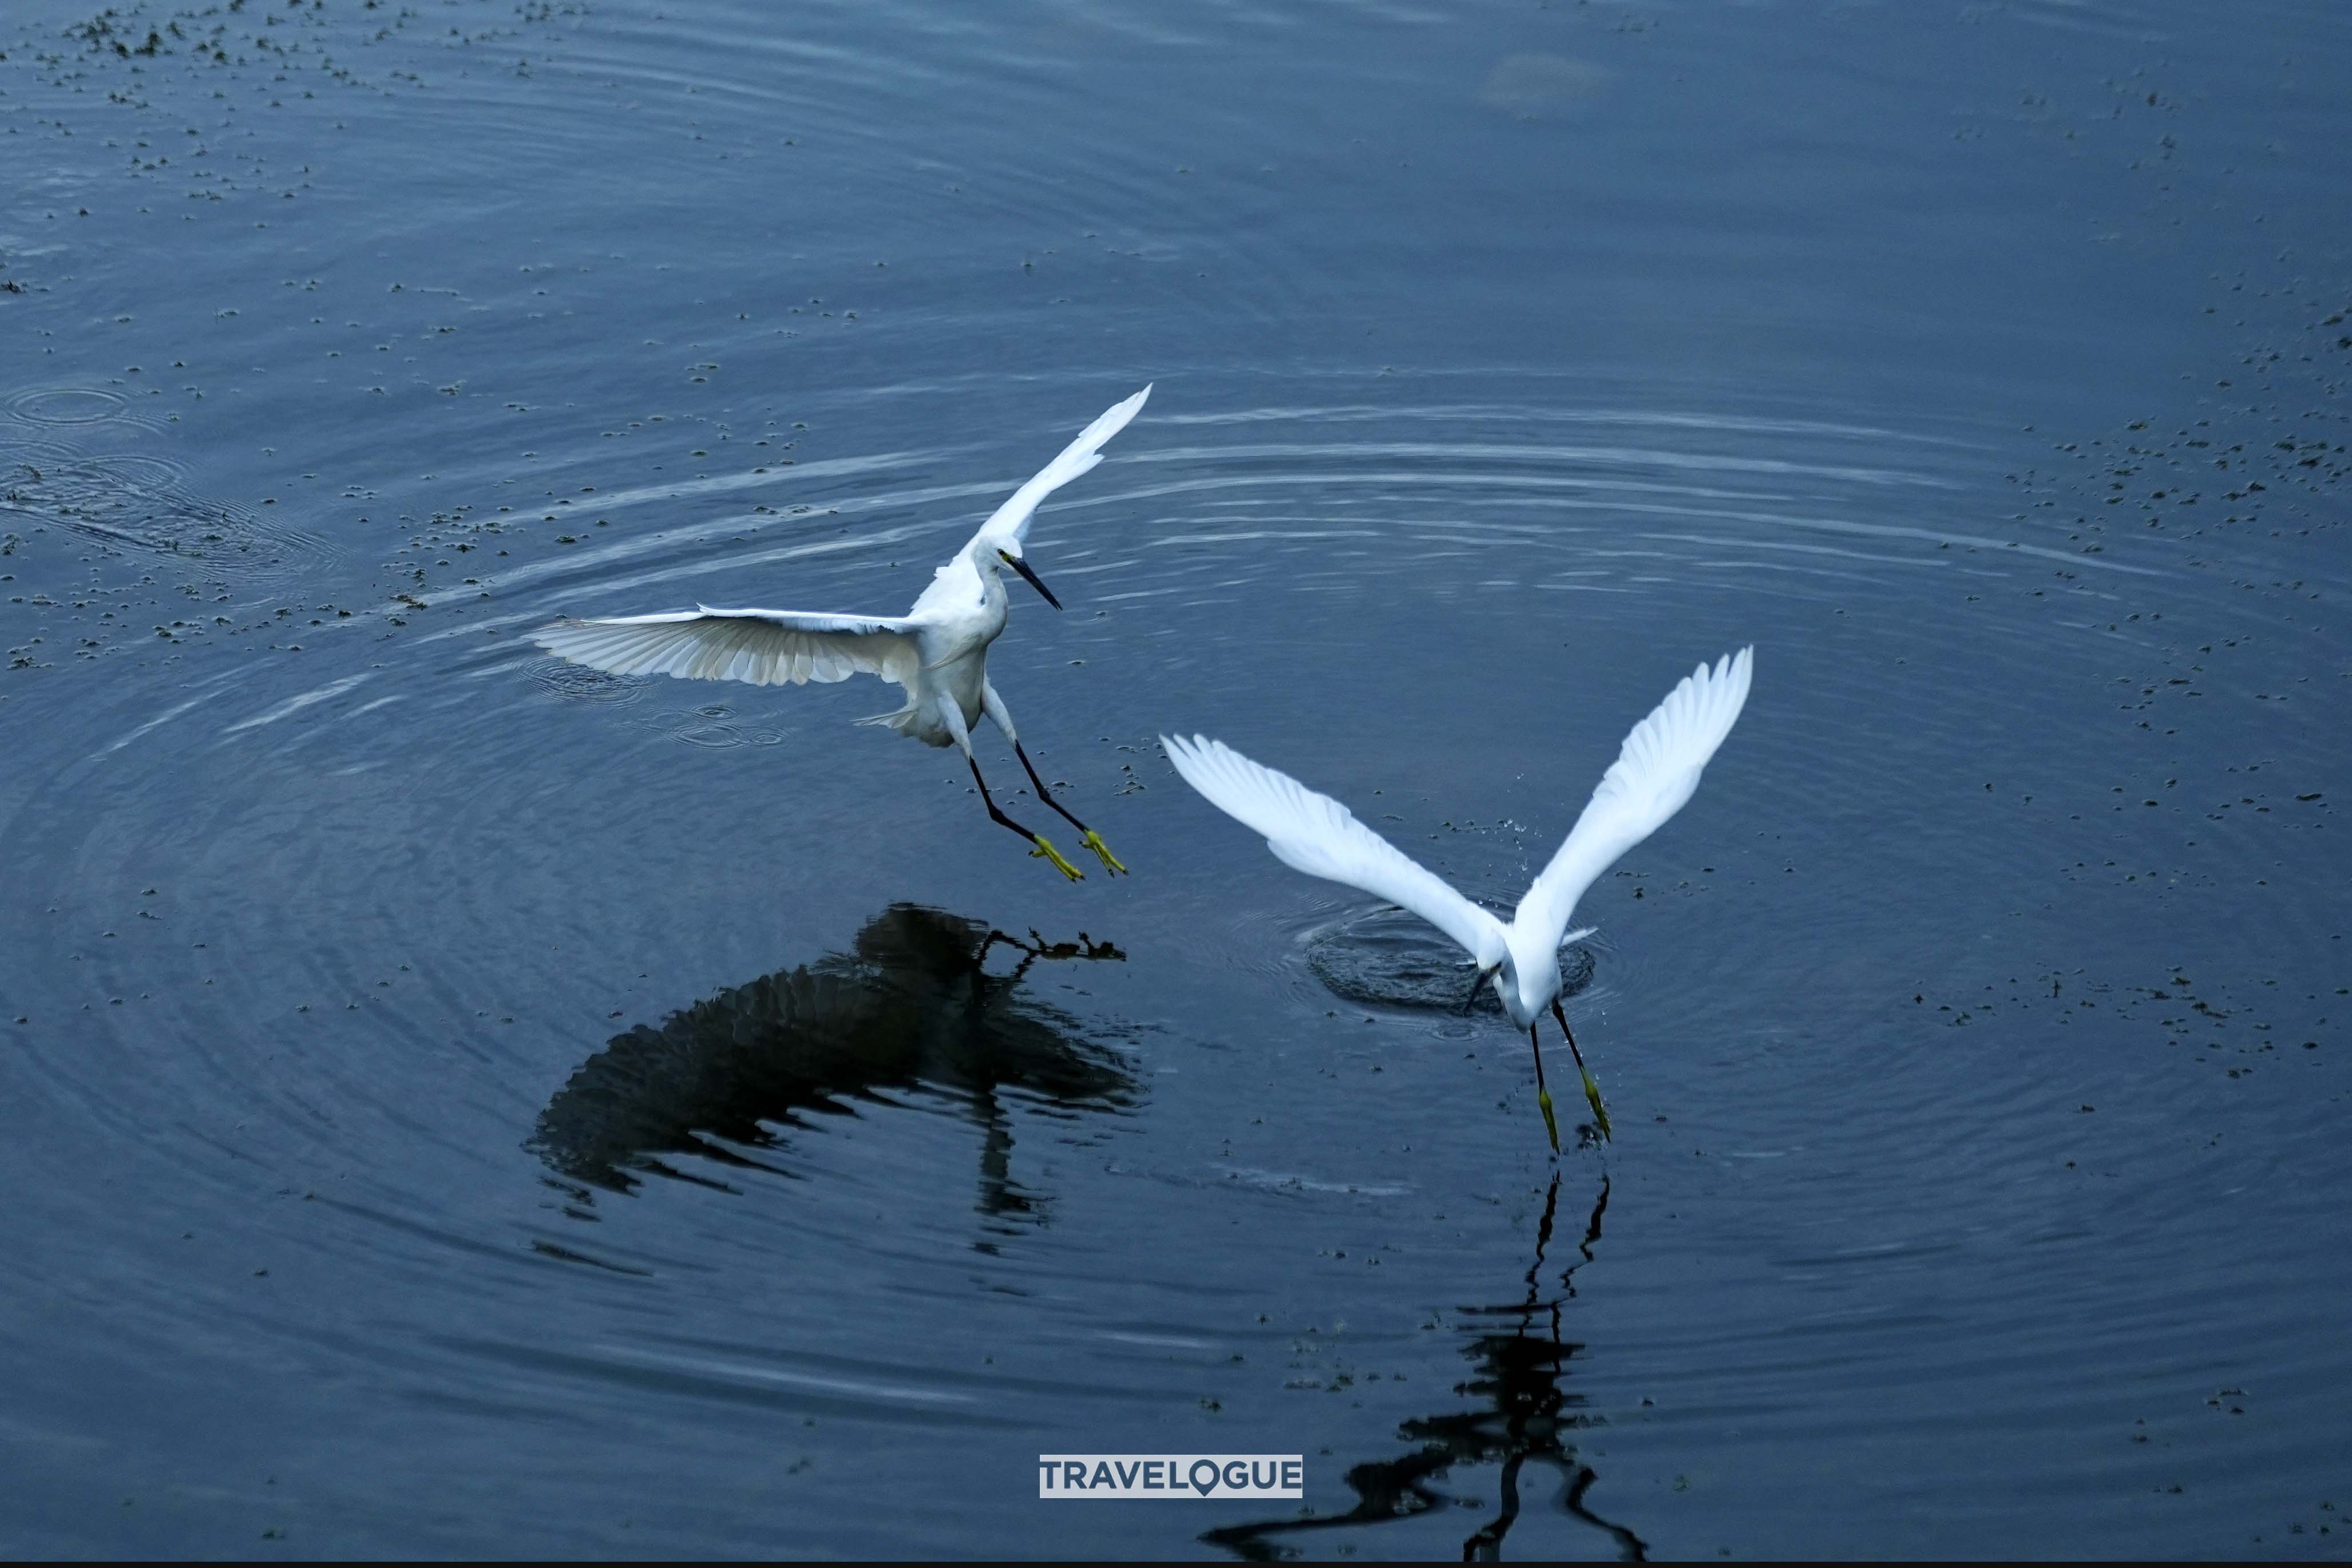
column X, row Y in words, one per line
column 938, row 651
column 1653, row 776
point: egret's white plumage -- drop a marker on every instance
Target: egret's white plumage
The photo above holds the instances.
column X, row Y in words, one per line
column 764, row 648
column 938, row 651
column 1653, row 776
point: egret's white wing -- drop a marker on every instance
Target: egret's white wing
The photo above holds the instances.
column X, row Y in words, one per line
column 1011, row 519
column 1317, row 835
column 765, row 648
column 1649, row 782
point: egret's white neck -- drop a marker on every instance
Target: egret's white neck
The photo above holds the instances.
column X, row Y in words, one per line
column 1529, row 979
column 988, row 563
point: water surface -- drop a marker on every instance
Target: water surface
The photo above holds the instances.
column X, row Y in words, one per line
column 458, row 1103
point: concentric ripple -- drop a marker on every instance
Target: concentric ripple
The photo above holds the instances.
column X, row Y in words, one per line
column 527, row 993
column 67, row 405
column 142, row 502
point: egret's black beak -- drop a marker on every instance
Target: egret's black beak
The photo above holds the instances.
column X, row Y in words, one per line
column 1472, row 1000
column 1022, row 567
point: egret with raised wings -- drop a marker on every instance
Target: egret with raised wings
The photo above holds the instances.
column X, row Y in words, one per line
column 1653, row 776
column 938, row 651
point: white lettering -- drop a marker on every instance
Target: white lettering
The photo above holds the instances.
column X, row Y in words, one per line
column 1196, row 1476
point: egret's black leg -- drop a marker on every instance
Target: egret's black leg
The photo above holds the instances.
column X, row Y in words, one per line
column 1086, row 835
column 1043, row 793
column 1591, row 1090
column 990, row 801
column 1044, row 848
column 1560, row 1013
column 1543, row 1094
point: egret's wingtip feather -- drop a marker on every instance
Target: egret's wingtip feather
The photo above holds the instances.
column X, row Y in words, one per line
column 1078, row 458
column 761, row 647
column 1311, row 832
column 1654, row 775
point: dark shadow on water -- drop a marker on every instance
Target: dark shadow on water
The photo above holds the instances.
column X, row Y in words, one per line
column 912, row 1007
column 1519, row 1361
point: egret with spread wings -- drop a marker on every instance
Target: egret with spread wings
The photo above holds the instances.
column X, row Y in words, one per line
column 1653, row 776
column 938, row 651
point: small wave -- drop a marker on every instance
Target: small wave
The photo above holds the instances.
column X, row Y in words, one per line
column 708, row 726
column 68, row 406
column 142, row 503
column 569, row 682
column 1391, row 958
column 1293, row 1181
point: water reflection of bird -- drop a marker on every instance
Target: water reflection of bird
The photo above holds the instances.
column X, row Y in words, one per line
column 911, row 1006
column 1524, row 1414
column 1653, row 776
column 938, row 651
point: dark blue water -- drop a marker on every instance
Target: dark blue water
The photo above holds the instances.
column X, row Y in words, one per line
column 455, row 1103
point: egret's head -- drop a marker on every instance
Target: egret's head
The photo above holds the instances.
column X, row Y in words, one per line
column 1009, row 553
column 1497, row 965
column 1528, row 977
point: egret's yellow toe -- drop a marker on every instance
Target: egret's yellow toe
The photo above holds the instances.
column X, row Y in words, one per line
column 1093, row 841
column 1600, row 1111
column 1047, row 849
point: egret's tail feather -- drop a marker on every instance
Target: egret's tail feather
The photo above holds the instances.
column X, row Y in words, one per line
column 915, row 723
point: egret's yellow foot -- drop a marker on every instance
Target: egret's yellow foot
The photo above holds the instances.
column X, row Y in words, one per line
column 1600, row 1114
column 1093, row 841
column 1063, row 867
column 1543, row 1098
